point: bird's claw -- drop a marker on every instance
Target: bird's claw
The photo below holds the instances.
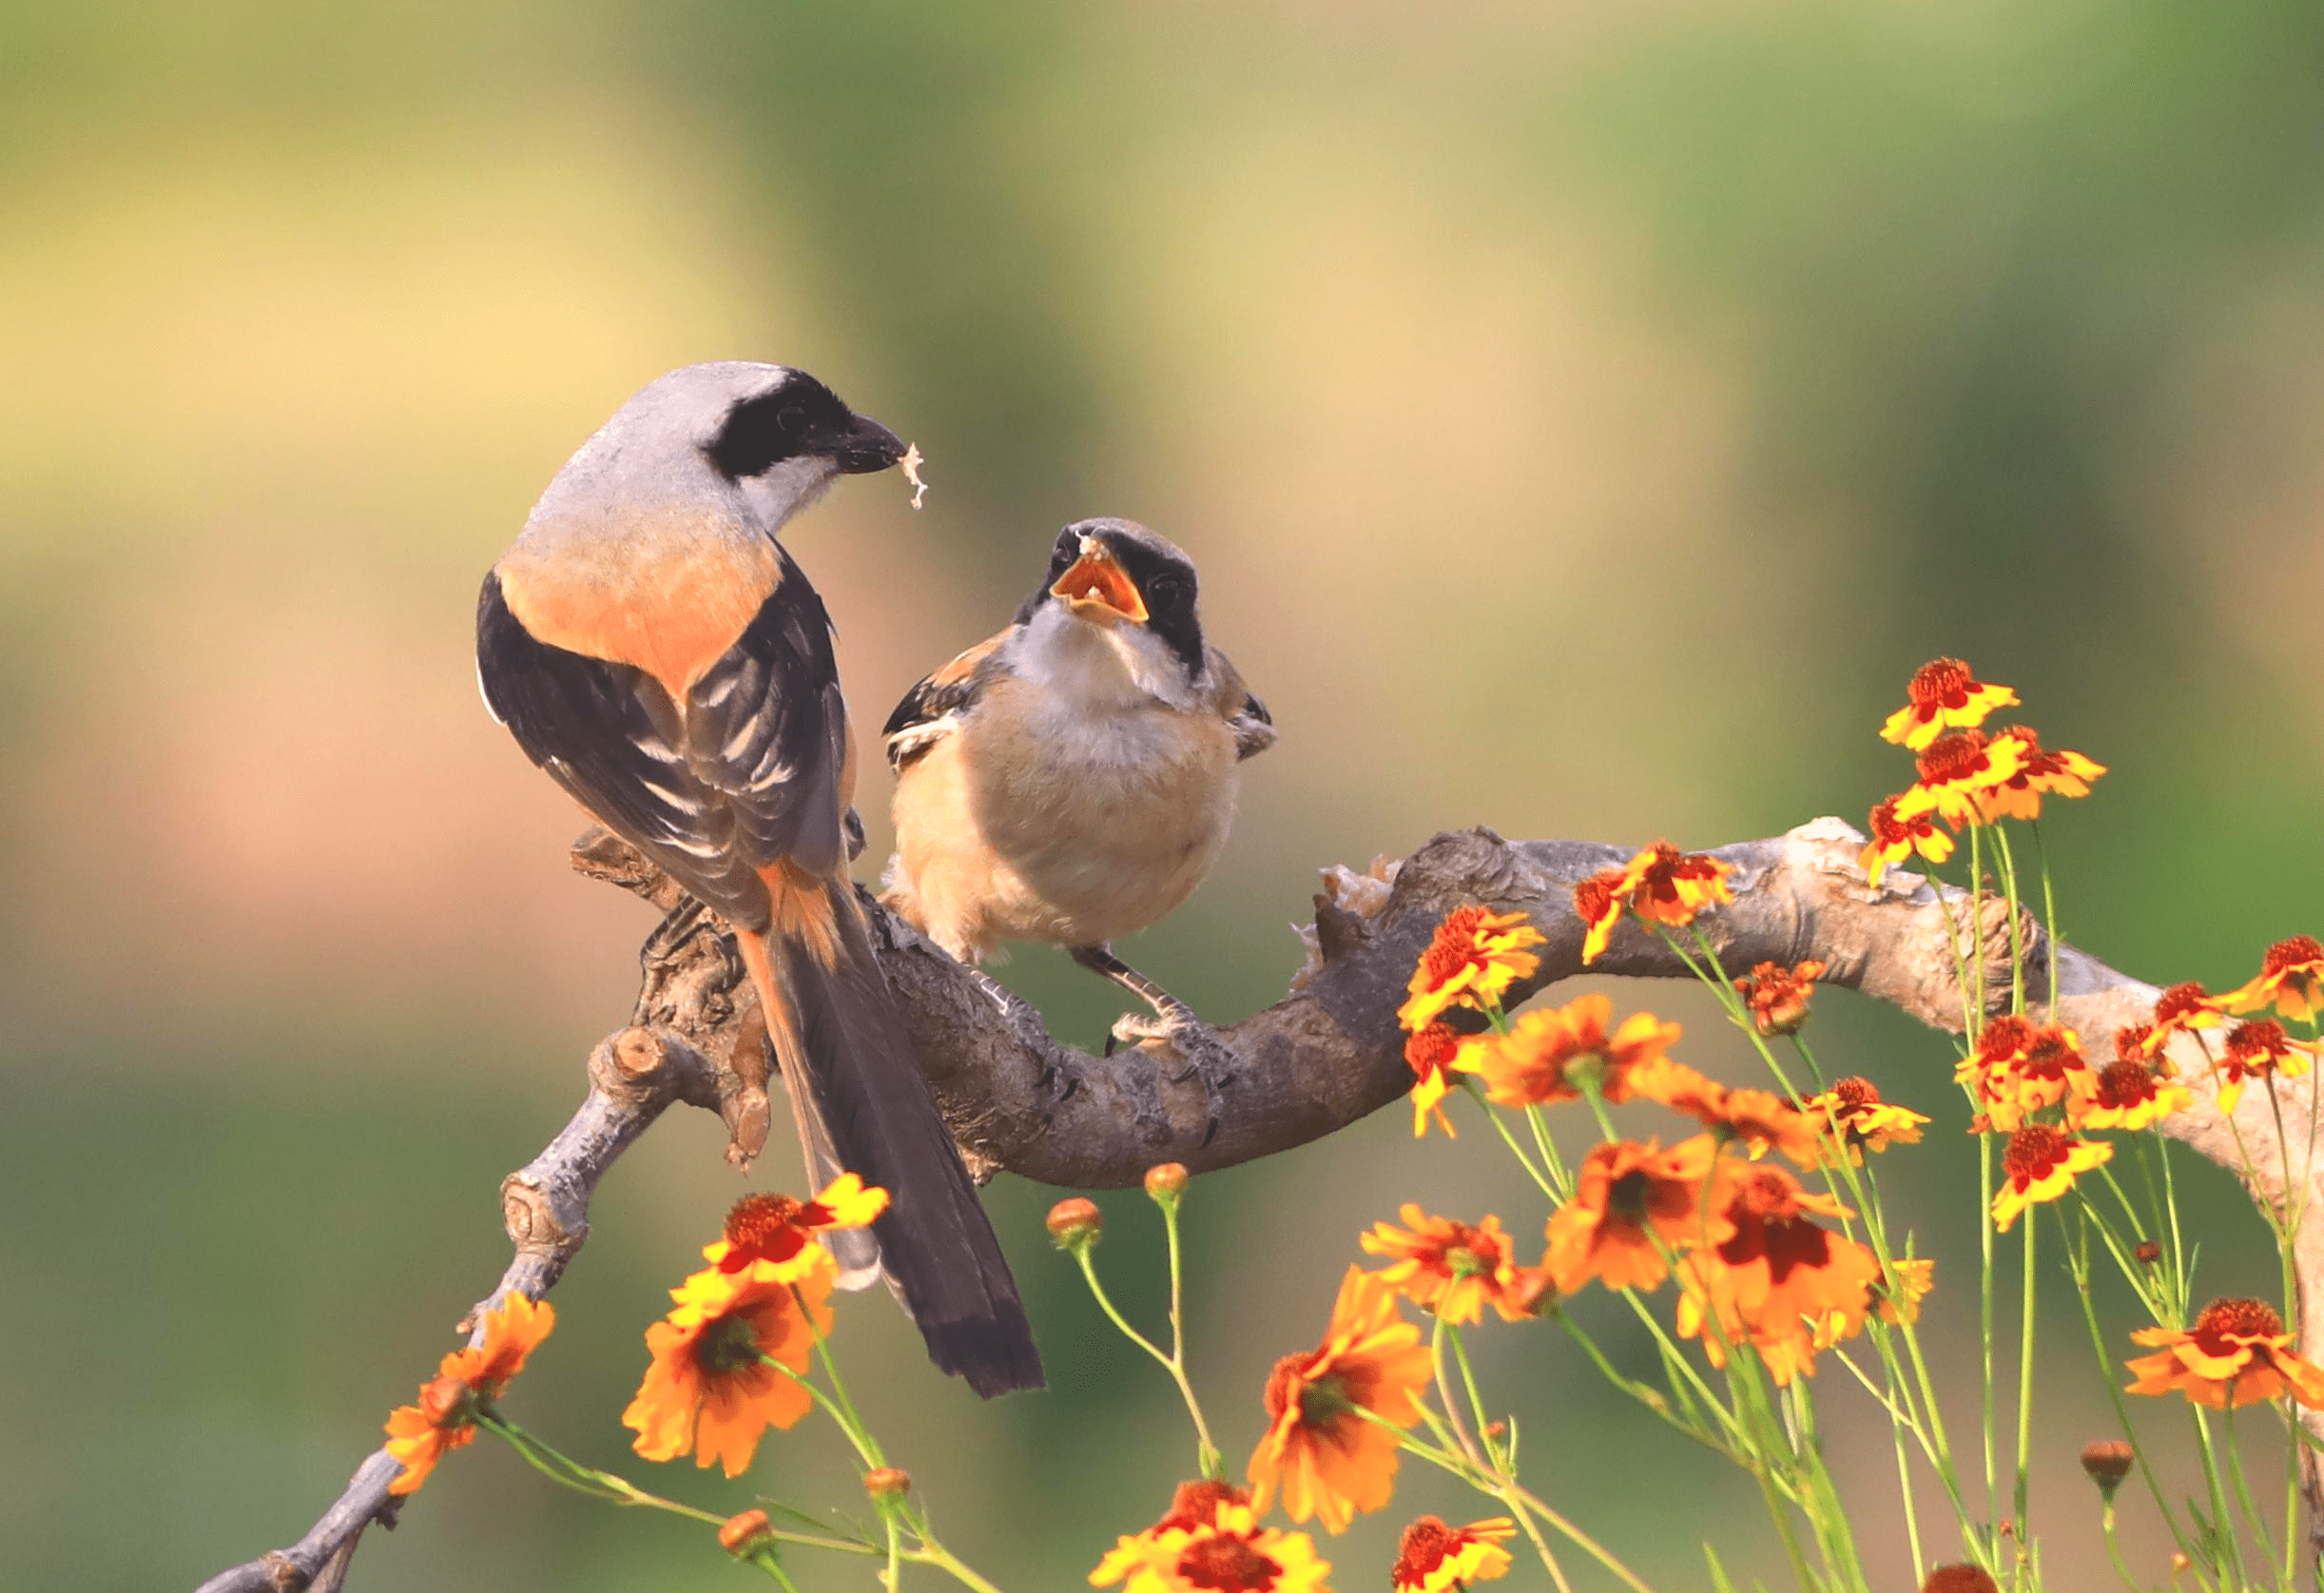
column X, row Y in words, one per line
column 1205, row 1056
column 1059, row 1079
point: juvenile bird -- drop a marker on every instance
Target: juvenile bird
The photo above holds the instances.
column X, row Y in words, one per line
column 654, row 649
column 1071, row 779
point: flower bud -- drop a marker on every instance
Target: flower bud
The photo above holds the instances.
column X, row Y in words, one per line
column 2108, row 1462
column 2179, row 1562
column 1074, row 1224
column 888, row 1481
column 1958, row 1579
column 1531, row 1291
column 448, row 1402
column 745, row 1535
column 1166, row 1183
column 2148, row 1253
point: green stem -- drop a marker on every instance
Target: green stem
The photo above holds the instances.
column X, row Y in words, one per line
column 1207, row 1452
column 2025, row 1366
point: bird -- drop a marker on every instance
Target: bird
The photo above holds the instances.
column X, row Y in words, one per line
column 1071, row 779
column 654, row 649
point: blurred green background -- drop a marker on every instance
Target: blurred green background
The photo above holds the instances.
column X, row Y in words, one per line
column 1584, row 418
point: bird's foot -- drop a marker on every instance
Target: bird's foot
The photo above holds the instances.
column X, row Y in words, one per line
column 1205, row 1056
column 1060, row 1078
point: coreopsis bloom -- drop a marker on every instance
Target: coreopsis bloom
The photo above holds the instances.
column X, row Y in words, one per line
column 445, row 1418
column 1196, row 1504
column 2182, row 1009
column 1598, row 901
column 1761, row 1119
column 1227, row 1553
column 1776, row 997
column 1540, row 1059
column 1956, row 770
column 1943, row 695
column 1670, row 886
column 780, row 1230
column 1861, row 1120
column 1900, row 1300
column 2041, row 772
column 1896, row 837
column 2020, row 1069
column 2129, row 1096
column 2042, row 1164
column 1472, row 960
column 1434, row 1556
column 1429, row 1053
column 2237, row 1354
column 2256, row 1048
column 2291, row 979
column 1631, row 1203
column 1326, row 1448
column 1779, row 1268
column 1447, row 1266
column 709, row 1388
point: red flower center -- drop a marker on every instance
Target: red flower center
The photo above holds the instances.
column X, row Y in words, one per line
column 1227, row 1566
column 2033, row 1150
column 1196, row 1504
column 1955, row 755
column 763, row 1228
column 1454, row 946
column 1940, row 683
column 1429, row 1052
column 2049, row 1055
column 2130, row 1041
column 2259, row 1041
column 1855, row 1092
column 2003, row 1038
column 1425, row 1543
column 1887, row 827
column 2242, row 1317
column 1769, row 1194
column 2179, row 1000
column 2294, row 953
column 1594, row 898
column 2125, row 1083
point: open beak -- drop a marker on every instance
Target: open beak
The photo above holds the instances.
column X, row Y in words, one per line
column 1097, row 587
column 867, row 447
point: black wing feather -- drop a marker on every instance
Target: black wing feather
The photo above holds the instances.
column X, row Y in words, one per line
column 749, row 775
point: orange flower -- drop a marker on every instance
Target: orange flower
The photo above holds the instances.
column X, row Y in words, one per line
column 1448, row 1267
column 2291, row 979
column 1632, row 1202
column 778, row 1230
column 1943, row 694
column 1900, row 1301
column 2182, row 1009
column 1782, row 1266
column 1761, row 1119
column 2042, row 1164
column 1861, row 1120
column 1434, row 1557
column 2237, row 1354
column 2256, row 1048
column 1670, row 886
column 1777, row 997
column 1598, row 901
column 1540, row 1059
column 1428, row 1054
column 2129, row 1098
column 1223, row 1552
column 1473, row 960
column 2020, row 1069
column 1955, row 772
column 1896, row 837
column 466, row 1380
column 709, row 1388
column 1325, row 1446
column 2066, row 774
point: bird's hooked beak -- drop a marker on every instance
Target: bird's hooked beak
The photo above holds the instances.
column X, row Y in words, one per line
column 1097, row 587
column 867, row 448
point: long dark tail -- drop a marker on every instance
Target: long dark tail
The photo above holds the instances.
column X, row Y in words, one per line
column 863, row 1107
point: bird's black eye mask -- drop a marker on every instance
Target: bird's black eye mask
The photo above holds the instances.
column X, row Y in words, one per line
column 759, row 432
column 1165, row 586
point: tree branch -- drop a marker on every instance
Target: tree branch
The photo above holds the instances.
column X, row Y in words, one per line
column 1326, row 1056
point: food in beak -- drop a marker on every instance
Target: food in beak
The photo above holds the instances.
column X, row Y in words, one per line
column 911, row 463
column 1097, row 581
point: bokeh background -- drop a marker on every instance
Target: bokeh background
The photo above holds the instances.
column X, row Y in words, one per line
column 1585, row 417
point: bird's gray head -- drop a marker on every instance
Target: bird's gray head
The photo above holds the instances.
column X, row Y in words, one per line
column 1119, row 575
column 770, row 435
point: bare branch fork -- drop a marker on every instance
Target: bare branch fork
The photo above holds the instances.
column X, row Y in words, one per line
column 1327, row 1053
